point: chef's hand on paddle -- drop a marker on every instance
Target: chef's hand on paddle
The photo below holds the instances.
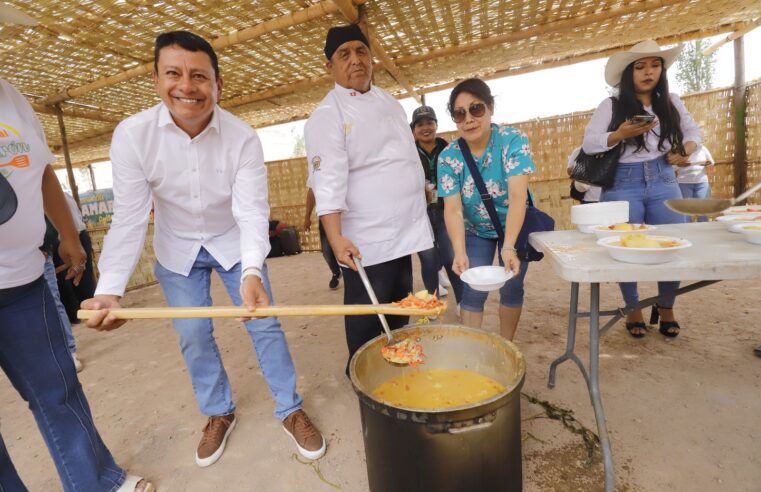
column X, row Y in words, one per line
column 677, row 159
column 344, row 250
column 71, row 252
column 103, row 320
column 512, row 263
column 253, row 294
column 460, row 263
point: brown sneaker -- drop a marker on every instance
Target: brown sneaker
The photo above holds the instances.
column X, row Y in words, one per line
column 215, row 435
column 308, row 439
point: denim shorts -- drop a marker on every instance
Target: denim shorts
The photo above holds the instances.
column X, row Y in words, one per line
column 480, row 253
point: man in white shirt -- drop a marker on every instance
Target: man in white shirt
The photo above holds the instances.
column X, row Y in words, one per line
column 367, row 181
column 203, row 170
column 692, row 178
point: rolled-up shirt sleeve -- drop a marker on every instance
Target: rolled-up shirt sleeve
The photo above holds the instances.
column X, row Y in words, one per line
column 690, row 129
column 250, row 205
column 596, row 134
column 328, row 160
column 123, row 245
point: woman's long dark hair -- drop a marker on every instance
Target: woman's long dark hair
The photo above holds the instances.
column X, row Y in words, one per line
column 627, row 105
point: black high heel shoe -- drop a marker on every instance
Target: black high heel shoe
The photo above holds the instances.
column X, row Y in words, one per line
column 669, row 329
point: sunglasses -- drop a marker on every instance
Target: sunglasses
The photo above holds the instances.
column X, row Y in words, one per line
column 476, row 110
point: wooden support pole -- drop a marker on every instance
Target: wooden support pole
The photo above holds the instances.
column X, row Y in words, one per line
column 80, row 113
column 740, row 161
column 66, row 156
column 731, row 37
column 92, row 177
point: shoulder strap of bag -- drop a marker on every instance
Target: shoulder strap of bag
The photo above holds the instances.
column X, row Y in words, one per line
column 481, row 186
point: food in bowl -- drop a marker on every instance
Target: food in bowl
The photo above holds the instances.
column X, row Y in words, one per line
column 437, row 388
column 751, row 228
column 743, row 209
column 625, row 227
column 643, row 241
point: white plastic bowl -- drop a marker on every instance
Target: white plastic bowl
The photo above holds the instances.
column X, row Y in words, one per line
column 605, row 231
column 586, row 229
column 730, row 221
column 486, row 278
column 605, row 213
column 752, row 232
column 643, row 256
column 743, row 209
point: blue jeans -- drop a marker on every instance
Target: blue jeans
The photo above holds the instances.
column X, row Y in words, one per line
column 481, row 253
column 646, row 186
column 52, row 282
column 34, row 356
column 210, row 383
column 696, row 190
column 442, row 254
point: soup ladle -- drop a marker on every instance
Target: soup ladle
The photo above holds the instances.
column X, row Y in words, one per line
column 374, row 299
column 707, row 206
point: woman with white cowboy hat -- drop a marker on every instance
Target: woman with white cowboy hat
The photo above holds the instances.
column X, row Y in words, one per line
column 33, row 351
column 655, row 133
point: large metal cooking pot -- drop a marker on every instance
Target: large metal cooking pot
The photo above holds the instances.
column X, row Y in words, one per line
column 462, row 449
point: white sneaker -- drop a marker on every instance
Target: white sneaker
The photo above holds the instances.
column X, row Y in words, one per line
column 77, row 363
column 443, row 278
column 442, row 291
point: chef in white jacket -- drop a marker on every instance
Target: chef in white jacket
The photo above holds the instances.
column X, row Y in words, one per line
column 368, row 183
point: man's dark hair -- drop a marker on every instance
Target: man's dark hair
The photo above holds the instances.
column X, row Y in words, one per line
column 187, row 41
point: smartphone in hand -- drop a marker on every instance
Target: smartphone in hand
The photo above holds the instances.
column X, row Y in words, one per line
column 643, row 118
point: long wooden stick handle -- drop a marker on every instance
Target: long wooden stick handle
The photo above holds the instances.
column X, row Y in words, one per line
column 263, row 312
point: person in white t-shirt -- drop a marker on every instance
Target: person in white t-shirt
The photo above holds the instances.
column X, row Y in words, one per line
column 367, row 181
column 203, row 171
column 693, row 180
column 33, row 350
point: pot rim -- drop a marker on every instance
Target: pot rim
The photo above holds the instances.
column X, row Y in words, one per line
column 424, row 415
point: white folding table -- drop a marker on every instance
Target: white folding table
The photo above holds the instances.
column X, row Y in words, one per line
column 716, row 254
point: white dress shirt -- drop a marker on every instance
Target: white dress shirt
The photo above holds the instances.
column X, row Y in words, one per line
column 209, row 191
column 596, row 133
column 364, row 164
column 24, row 154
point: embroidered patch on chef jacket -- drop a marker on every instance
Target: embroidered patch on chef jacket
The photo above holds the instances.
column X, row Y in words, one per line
column 316, row 163
column 348, row 127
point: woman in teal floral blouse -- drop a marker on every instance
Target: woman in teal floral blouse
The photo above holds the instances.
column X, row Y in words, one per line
column 503, row 157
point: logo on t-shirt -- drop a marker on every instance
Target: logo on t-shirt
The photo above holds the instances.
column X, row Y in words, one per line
column 316, row 162
column 14, row 151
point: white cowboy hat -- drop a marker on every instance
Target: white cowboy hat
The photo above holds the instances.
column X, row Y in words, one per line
column 13, row 15
column 644, row 49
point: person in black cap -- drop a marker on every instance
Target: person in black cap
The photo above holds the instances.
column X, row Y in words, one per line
column 367, row 182
column 424, row 126
column 33, row 351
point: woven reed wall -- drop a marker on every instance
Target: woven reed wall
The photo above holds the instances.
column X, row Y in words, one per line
column 753, row 137
column 143, row 274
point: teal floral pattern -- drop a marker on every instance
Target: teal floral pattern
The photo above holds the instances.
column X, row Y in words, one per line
column 507, row 154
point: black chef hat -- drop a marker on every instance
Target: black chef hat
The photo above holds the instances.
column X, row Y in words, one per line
column 8, row 200
column 343, row 34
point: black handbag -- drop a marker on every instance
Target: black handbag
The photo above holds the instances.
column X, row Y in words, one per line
column 534, row 221
column 576, row 194
column 598, row 169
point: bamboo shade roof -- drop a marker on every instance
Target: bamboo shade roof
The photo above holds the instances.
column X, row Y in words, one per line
column 94, row 56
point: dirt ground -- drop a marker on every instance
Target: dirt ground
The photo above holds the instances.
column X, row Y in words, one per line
column 683, row 414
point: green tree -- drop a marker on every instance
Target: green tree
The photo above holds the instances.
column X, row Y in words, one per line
column 298, row 146
column 694, row 70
